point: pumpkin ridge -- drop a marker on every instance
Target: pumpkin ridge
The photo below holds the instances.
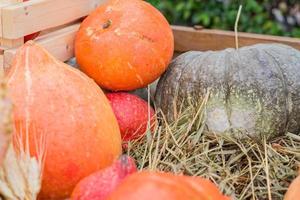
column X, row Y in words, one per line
column 212, row 79
column 180, row 79
column 228, row 89
column 205, row 55
column 259, row 92
column 285, row 90
column 289, row 66
column 263, row 64
column 177, row 88
column 169, row 72
column 28, row 85
column 189, row 66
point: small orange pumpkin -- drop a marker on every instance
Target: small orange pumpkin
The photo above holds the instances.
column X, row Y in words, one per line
column 165, row 186
column 124, row 44
column 61, row 106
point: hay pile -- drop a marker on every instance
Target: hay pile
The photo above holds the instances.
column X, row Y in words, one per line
column 243, row 168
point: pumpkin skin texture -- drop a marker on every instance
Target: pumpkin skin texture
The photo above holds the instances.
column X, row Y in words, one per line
column 132, row 115
column 293, row 192
column 254, row 89
column 165, row 186
column 100, row 184
column 60, row 105
column 5, row 118
column 124, row 45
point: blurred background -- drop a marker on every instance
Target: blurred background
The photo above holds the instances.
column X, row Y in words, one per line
column 274, row 17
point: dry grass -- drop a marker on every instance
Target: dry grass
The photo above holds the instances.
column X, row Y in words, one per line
column 20, row 173
column 243, row 168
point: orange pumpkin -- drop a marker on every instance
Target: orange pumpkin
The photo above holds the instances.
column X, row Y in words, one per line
column 165, row 186
column 293, row 192
column 124, row 44
column 63, row 107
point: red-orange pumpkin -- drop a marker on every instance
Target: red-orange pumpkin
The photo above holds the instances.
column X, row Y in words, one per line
column 124, row 44
column 62, row 106
column 132, row 115
column 100, row 184
column 165, row 186
column 293, row 192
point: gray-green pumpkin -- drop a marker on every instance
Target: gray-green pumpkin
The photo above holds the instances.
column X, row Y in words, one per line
column 254, row 89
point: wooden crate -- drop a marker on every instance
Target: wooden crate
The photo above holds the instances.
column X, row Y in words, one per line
column 190, row 38
column 59, row 21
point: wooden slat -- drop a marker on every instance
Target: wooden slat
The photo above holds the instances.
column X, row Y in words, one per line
column 187, row 39
column 9, row 42
column 48, row 32
column 25, row 18
column 3, row 4
column 59, row 43
column 8, row 1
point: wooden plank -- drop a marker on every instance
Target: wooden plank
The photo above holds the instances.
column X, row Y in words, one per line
column 25, row 18
column 47, row 32
column 8, row 1
column 187, row 39
column 9, row 42
column 5, row 3
column 59, row 43
column 5, row 43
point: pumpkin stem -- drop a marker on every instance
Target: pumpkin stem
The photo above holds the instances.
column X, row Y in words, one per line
column 107, row 24
column 236, row 27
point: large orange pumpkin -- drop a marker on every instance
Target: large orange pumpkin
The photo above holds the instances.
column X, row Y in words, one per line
column 165, row 186
column 63, row 107
column 124, row 44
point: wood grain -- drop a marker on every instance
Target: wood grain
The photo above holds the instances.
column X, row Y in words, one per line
column 187, row 38
column 8, row 42
column 28, row 17
column 59, row 43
